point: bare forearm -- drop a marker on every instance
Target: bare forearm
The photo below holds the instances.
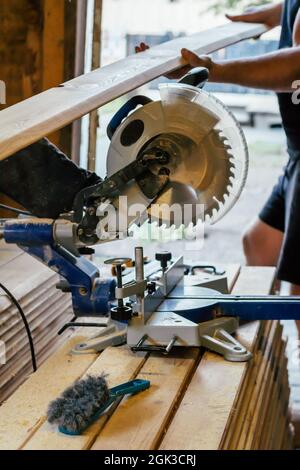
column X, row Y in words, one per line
column 276, row 11
column 274, row 71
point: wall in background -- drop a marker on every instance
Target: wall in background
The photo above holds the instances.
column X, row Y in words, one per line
column 37, row 51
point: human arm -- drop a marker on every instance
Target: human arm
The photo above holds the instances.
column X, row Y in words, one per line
column 270, row 15
column 274, row 71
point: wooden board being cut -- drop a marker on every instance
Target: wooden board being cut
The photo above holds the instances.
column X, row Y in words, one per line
column 32, row 119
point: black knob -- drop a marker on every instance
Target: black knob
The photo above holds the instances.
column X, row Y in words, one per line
column 121, row 313
column 151, row 287
column 163, row 257
column 64, row 286
column 85, row 250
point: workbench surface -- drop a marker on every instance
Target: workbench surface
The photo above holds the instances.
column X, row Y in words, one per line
column 197, row 400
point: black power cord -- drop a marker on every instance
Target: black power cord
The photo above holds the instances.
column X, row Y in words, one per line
column 26, row 325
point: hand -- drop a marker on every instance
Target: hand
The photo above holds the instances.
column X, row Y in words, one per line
column 269, row 15
column 141, row 48
column 192, row 59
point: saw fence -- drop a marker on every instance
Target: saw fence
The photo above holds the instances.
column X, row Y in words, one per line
column 197, row 400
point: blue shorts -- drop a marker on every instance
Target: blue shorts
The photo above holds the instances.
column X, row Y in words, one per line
column 282, row 212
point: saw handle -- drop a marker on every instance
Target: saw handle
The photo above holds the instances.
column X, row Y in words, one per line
column 123, row 112
column 196, row 77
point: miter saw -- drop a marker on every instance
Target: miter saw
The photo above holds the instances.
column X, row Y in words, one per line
column 185, row 152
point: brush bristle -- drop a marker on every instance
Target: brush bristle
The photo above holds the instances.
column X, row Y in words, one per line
column 76, row 406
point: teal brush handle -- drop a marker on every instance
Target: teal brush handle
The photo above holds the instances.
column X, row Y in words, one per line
column 128, row 388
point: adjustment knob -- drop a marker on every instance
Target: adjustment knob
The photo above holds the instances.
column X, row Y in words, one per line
column 63, row 285
column 121, row 313
column 163, row 257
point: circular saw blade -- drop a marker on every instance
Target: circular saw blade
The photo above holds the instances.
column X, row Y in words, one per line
column 208, row 153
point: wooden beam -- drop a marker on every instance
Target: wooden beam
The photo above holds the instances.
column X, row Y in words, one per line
column 28, row 121
column 94, row 116
column 81, row 17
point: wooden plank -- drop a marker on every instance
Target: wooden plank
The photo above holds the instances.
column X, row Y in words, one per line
column 39, row 326
column 8, row 253
column 42, row 356
column 23, row 274
column 210, row 397
column 21, row 360
column 139, row 422
column 24, row 412
column 121, row 365
column 28, row 121
column 253, row 415
column 10, row 320
column 96, row 58
column 237, row 419
column 267, row 386
column 268, row 425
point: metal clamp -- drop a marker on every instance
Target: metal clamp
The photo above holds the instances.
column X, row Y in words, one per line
column 216, row 336
column 110, row 336
column 153, row 348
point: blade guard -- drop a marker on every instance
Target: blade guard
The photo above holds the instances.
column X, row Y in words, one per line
column 213, row 151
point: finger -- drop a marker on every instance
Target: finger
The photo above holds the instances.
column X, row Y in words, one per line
column 249, row 16
column 190, row 57
column 237, row 17
column 144, row 46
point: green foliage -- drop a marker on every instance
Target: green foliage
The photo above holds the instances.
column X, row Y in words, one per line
column 221, row 6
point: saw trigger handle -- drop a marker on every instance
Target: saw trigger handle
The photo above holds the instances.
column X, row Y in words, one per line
column 123, row 112
column 196, row 77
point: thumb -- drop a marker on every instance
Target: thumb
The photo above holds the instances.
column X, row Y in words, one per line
column 249, row 15
column 190, row 57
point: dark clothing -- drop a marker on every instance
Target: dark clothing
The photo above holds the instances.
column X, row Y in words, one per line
column 290, row 112
column 43, row 180
column 282, row 210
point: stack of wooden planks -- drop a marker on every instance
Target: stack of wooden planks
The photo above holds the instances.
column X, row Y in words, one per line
column 260, row 416
column 196, row 401
column 46, row 309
